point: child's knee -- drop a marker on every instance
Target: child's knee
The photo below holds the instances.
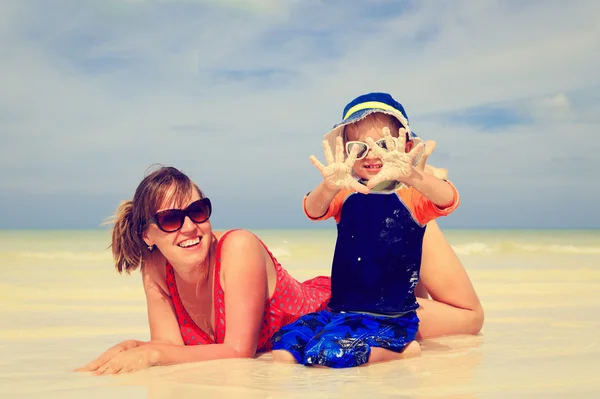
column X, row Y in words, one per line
column 283, row 356
column 413, row 349
column 477, row 319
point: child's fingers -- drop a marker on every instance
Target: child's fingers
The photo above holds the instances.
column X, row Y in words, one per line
column 374, row 181
column 401, row 140
column 361, row 188
column 390, row 143
column 417, row 149
column 429, row 147
column 339, row 149
column 352, row 156
column 380, row 152
column 317, row 163
column 328, row 152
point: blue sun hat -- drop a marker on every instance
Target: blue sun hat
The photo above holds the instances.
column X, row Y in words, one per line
column 366, row 104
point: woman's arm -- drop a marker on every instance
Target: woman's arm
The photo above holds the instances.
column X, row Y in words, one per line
column 161, row 317
column 162, row 320
column 244, row 280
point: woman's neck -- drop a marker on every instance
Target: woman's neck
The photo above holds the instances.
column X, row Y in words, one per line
column 198, row 274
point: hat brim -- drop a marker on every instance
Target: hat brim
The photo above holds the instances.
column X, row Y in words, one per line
column 338, row 129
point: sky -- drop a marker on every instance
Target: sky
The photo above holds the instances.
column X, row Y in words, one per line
column 238, row 95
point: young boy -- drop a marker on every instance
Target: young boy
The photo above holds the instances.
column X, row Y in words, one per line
column 381, row 204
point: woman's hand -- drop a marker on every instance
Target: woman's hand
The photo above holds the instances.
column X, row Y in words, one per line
column 109, row 354
column 130, row 360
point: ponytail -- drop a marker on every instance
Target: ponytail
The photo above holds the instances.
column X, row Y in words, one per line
column 127, row 243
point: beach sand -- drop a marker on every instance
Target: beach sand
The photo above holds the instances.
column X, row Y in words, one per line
column 62, row 304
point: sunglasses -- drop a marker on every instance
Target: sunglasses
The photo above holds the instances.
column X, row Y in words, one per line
column 171, row 220
column 363, row 148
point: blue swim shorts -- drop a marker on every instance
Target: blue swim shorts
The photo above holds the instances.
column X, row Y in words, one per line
column 341, row 340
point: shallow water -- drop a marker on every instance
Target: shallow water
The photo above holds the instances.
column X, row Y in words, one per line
column 62, row 304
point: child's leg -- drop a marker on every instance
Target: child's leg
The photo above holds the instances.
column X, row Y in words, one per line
column 354, row 339
column 340, row 343
column 283, row 356
column 396, row 339
column 289, row 343
column 421, row 291
column 384, row 355
column 454, row 307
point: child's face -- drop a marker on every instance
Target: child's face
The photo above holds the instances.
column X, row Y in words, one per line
column 372, row 126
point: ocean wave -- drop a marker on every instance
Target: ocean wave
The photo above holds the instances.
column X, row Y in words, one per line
column 508, row 247
column 469, row 248
column 280, row 253
column 92, row 256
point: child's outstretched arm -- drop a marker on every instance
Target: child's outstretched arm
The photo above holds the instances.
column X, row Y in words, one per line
column 398, row 166
column 317, row 201
column 337, row 176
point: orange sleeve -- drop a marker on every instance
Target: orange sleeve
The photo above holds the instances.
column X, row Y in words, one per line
column 421, row 207
column 335, row 208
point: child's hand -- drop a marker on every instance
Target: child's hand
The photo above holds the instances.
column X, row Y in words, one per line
column 440, row 173
column 397, row 164
column 337, row 175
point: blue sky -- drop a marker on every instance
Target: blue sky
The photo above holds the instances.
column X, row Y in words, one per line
column 239, row 93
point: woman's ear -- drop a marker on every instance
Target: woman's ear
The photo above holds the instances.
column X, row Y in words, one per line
column 147, row 239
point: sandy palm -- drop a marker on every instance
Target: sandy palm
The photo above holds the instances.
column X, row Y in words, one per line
column 337, row 175
column 397, row 164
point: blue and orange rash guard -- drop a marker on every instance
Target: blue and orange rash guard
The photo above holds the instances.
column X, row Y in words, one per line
column 377, row 255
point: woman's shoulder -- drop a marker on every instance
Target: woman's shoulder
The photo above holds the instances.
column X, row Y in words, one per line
column 237, row 239
column 242, row 249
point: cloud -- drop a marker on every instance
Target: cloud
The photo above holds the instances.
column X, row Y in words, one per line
column 556, row 108
column 239, row 93
column 488, row 118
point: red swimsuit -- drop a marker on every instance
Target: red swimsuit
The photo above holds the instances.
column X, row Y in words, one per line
column 290, row 300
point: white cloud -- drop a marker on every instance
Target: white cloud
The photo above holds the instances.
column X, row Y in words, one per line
column 556, row 108
column 241, row 92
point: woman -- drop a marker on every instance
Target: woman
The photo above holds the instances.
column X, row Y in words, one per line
column 227, row 292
